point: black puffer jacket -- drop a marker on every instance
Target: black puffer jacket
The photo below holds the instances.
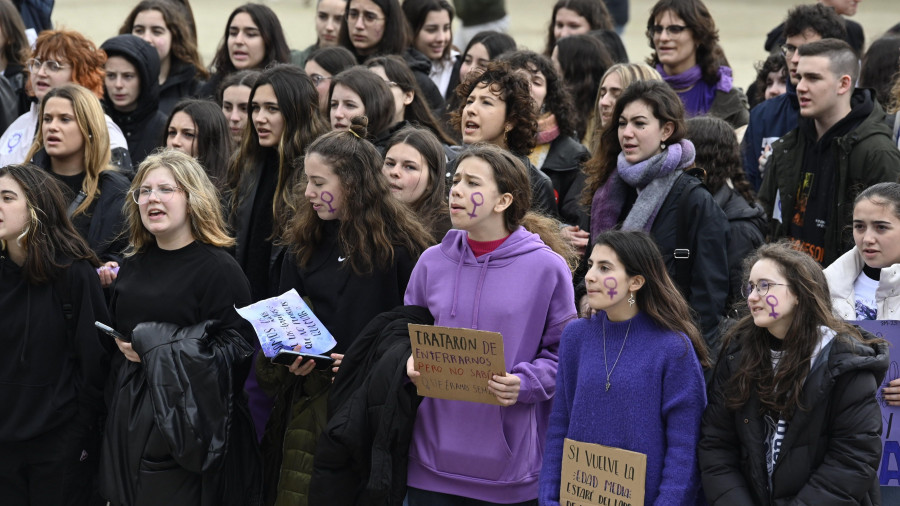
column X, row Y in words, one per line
column 830, row 453
column 748, row 229
column 362, row 454
column 421, row 67
column 563, row 167
column 144, row 125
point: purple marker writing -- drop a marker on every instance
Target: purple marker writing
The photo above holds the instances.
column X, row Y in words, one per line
column 772, row 301
column 328, row 198
column 612, row 289
column 475, row 203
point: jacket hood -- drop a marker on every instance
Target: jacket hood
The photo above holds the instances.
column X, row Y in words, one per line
column 849, row 354
column 417, row 61
column 735, row 207
column 146, row 60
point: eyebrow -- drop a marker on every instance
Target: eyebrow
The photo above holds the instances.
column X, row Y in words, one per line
column 9, row 192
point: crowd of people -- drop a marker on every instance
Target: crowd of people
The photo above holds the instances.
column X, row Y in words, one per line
column 397, row 173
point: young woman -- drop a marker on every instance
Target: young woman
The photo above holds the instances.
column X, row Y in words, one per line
column 792, row 414
column 360, row 92
column 637, row 181
column 253, row 39
column 409, row 106
column 497, row 109
column 582, row 61
column 323, row 64
column 14, row 54
column 686, row 52
column 415, row 167
column 614, row 81
column 880, row 66
column 432, row 27
column 234, row 98
column 131, row 93
column 73, row 145
column 378, row 27
column 556, row 153
column 198, row 129
column 771, row 80
column 55, row 368
column 576, row 17
column 484, row 47
column 719, row 154
column 329, row 14
column 166, row 28
column 478, row 278
column 61, row 57
column 352, row 249
column 633, row 296
column 174, row 304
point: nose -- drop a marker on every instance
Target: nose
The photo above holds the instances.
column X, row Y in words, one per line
column 153, row 196
column 146, row 36
column 42, row 70
column 234, row 116
column 309, row 192
column 359, row 25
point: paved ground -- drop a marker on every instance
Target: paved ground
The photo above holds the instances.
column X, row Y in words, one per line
column 742, row 23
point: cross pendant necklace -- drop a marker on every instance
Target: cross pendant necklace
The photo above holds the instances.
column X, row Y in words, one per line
column 605, row 366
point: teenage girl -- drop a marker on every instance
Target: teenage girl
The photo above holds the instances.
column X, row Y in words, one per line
column 197, row 128
column 234, row 98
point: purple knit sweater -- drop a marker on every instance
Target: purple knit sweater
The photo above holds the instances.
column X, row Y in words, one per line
column 653, row 406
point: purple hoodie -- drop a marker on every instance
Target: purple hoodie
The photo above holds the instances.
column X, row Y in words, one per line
column 524, row 291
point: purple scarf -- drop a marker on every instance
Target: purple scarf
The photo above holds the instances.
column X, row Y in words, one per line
column 654, row 178
column 696, row 94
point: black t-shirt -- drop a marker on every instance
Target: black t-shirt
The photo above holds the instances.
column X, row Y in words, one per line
column 259, row 239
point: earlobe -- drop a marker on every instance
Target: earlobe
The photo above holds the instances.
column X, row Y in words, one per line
column 408, row 97
column 667, row 130
column 505, row 201
column 636, row 283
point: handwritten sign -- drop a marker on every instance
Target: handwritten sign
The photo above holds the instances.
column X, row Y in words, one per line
column 889, row 470
column 284, row 322
column 597, row 474
column 456, row 364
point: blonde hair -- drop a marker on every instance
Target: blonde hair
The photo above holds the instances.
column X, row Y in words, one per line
column 203, row 205
column 92, row 124
column 628, row 73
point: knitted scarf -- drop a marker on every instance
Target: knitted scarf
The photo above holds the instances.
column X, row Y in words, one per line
column 653, row 178
column 548, row 130
column 694, row 92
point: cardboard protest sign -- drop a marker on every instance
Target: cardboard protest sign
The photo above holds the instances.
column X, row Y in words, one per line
column 597, row 474
column 456, row 364
column 283, row 322
column 889, row 470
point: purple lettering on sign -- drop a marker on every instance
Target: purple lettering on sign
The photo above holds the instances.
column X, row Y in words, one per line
column 328, row 198
column 772, row 301
column 612, row 289
column 475, row 203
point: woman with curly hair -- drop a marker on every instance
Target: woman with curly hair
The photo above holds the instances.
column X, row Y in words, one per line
column 60, row 57
column 351, row 250
column 576, row 17
column 686, row 52
column 163, row 24
column 497, row 109
column 771, row 79
column 14, row 54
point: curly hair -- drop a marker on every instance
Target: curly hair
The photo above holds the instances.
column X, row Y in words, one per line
column 17, row 50
column 515, row 91
column 773, row 64
column 583, row 60
column 373, row 222
column 72, row 47
column 698, row 19
column 495, row 43
column 558, row 100
column 184, row 41
column 594, row 11
column 719, row 154
column 270, row 30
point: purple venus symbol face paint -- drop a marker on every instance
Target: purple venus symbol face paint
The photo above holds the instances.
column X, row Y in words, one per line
column 772, row 301
column 328, row 198
column 612, row 289
column 476, row 203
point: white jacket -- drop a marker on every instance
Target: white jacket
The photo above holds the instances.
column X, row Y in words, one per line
column 841, row 276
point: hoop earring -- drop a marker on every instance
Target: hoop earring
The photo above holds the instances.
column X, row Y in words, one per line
column 631, row 300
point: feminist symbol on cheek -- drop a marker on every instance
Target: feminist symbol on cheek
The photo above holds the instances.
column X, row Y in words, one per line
column 475, row 203
column 329, row 200
column 612, row 289
column 772, row 301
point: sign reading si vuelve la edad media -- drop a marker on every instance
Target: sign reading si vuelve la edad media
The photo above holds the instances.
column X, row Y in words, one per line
column 597, row 474
column 456, row 364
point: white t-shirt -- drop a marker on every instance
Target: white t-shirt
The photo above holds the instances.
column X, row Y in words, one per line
column 864, row 289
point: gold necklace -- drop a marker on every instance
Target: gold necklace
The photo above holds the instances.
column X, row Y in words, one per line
column 605, row 366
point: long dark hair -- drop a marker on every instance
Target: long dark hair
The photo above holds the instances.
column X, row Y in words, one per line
column 697, row 18
column 779, row 389
column 583, row 60
column 718, row 153
column 594, row 11
column 431, row 208
column 184, row 38
column 880, row 68
column 17, row 49
column 49, row 239
column 418, row 112
column 269, row 29
column 395, row 38
column 659, row 297
column 334, row 59
column 373, row 223
column 558, row 100
column 416, row 12
column 212, row 137
column 374, row 93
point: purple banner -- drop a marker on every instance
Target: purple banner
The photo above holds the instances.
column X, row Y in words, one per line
column 889, row 470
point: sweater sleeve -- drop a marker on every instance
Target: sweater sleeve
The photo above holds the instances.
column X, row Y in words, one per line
column 683, row 401
column 548, row 491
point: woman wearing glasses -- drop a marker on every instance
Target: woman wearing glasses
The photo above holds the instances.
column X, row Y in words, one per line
column 72, row 144
column 792, row 414
column 322, row 65
column 166, row 442
column 60, row 57
column 687, row 54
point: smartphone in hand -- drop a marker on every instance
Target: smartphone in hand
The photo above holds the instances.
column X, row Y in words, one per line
column 106, row 329
column 287, row 357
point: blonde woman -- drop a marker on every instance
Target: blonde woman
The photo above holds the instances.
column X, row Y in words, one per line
column 72, row 143
column 174, row 305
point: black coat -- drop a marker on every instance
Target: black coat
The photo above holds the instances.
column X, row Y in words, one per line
column 181, row 83
column 362, row 456
column 830, row 453
column 748, row 227
column 563, row 167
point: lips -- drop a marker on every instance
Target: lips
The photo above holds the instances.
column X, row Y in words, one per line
column 470, row 127
column 803, row 101
column 339, row 126
column 155, row 214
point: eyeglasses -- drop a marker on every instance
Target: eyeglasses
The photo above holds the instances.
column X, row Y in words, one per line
column 164, row 193
column 34, row 65
column 762, row 288
column 788, row 49
column 317, row 79
column 672, row 30
column 368, row 16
